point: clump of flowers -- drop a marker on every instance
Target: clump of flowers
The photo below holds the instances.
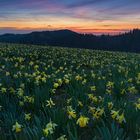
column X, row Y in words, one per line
column 93, row 98
column 109, row 87
column 96, row 112
column 49, row 129
column 117, row 116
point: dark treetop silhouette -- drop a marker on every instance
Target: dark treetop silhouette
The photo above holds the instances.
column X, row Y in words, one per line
column 124, row 42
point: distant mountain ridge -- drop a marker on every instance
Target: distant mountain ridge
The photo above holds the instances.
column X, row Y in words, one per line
column 66, row 38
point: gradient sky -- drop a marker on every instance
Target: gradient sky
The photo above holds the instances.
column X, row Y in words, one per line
column 86, row 16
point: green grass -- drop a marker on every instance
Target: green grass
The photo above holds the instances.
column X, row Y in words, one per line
column 83, row 82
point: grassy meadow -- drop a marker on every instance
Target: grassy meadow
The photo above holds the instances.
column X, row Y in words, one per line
column 53, row 93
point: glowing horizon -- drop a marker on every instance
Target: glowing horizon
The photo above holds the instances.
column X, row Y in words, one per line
column 84, row 16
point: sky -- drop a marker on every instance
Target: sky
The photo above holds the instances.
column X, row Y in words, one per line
column 84, row 16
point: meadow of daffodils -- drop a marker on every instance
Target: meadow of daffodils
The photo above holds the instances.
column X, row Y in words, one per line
column 50, row 93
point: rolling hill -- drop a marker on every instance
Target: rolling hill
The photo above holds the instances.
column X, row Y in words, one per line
column 66, row 38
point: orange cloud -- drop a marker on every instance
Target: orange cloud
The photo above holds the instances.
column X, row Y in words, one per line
column 78, row 25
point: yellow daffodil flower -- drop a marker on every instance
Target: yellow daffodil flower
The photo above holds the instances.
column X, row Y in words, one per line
column 17, row 127
column 82, row 121
column 28, row 116
column 50, row 103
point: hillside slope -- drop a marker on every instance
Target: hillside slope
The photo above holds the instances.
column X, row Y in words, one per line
column 125, row 42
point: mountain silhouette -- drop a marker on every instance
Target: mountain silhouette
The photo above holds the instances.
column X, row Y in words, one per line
column 129, row 42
